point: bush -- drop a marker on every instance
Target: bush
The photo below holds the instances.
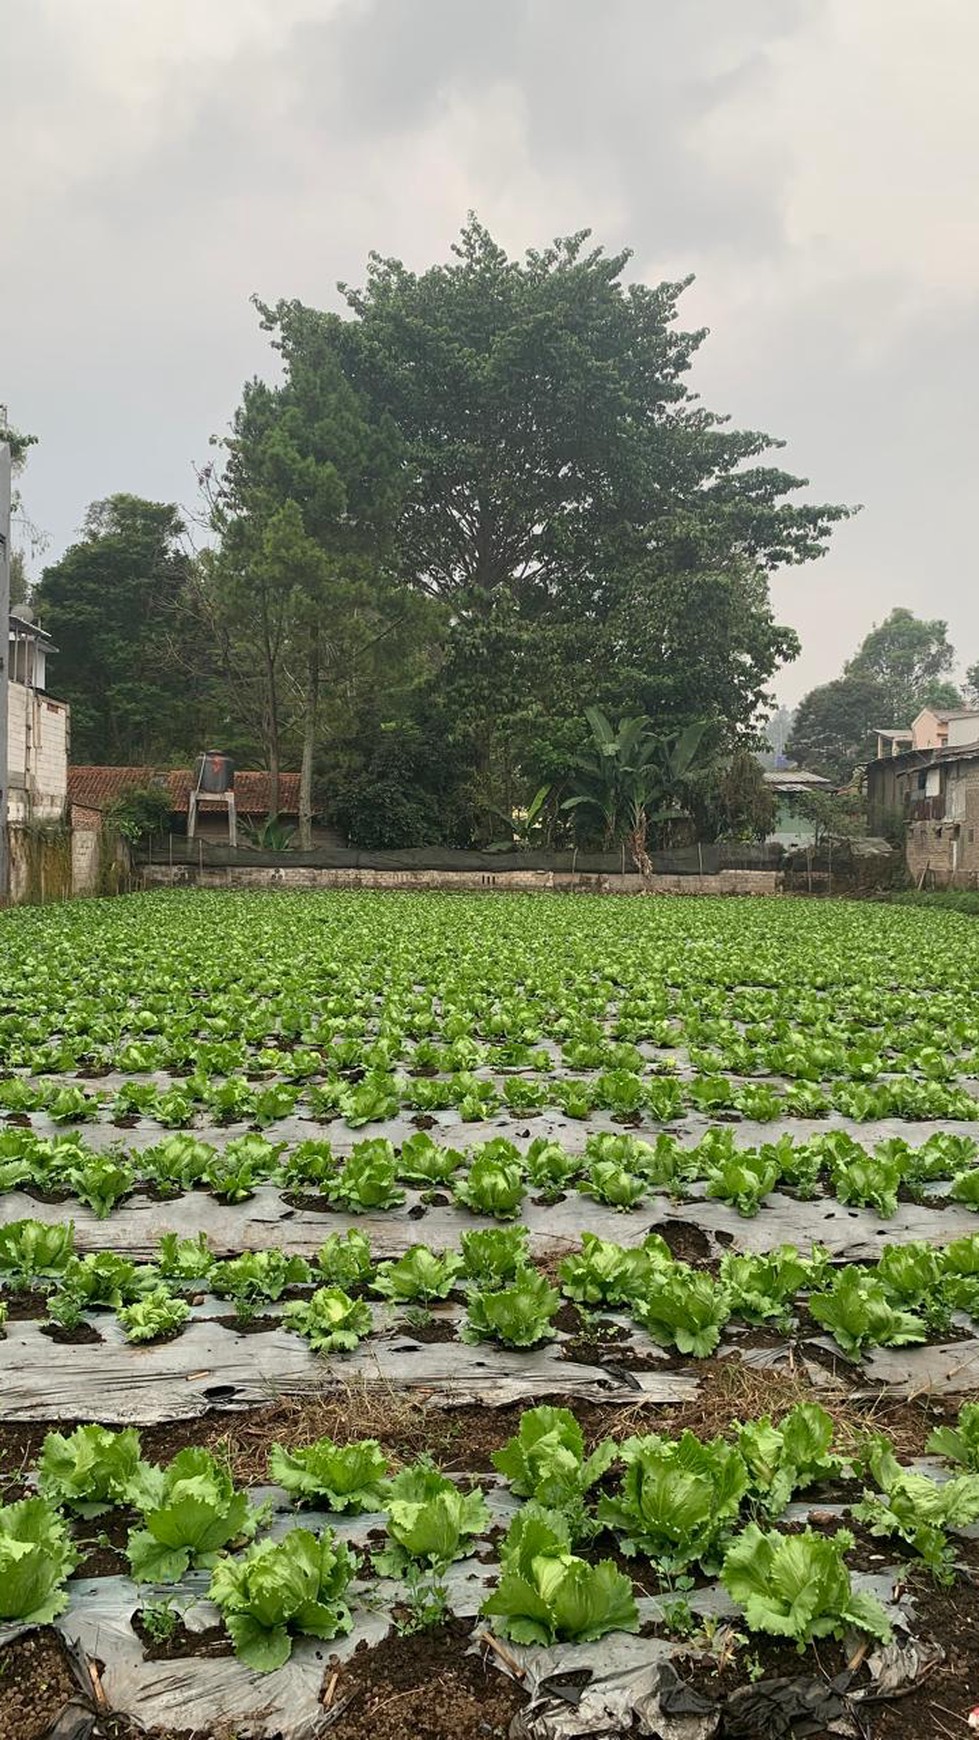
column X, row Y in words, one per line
column 140, row 812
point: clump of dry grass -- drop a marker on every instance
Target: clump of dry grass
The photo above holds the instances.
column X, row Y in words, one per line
column 361, row 1408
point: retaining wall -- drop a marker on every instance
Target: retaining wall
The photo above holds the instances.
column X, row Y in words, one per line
column 248, row 876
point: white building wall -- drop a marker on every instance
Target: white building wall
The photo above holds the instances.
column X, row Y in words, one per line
column 963, row 731
column 37, row 754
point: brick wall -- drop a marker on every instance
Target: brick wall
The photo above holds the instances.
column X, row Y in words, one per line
column 946, row 853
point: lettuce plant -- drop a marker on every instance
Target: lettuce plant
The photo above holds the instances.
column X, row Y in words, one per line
column 330, row 1321
column 255, row 1276
column 344, row 1259
column 797, row 1586
column 610, row 1183
column 103, row 1278
column 429, row 1518
column 175, row 1164
column 676, row 1499
column 761, row 1286
column 183, row 1262
column 92, row 1468
column 785, row 1459
column 492, row 1255
column 606, row 1274
column 344, row 1477
column 869, row 1183
column 419, row 1274
column 959, row 1443
column 917, row 1508
column 683, row 1308
column 101, row 1183
column 157, row 1314
column 744, row 1180
column 491, row 1187
column 33, row 1252
column 545, row 1593
column 191, row 1510
column 367, row 1179
column 36, row 1558
column 546, row 1462
column 518, row 1315
column 549, row 1166
column 281, row 1589
column 858, row 1313
column 422, row 1161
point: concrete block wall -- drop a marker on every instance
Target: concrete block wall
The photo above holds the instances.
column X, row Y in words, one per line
column 37, row 754
column 765, row 882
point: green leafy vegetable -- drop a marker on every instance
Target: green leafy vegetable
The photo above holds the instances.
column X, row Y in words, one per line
column 546, row 1593
column 330, row 1321
column 798, row 1586
column 676, row 1499
column 191, row 1510
column 281, row 1589
column 518, row 1315
column 346, row 1477
column 36, row 1558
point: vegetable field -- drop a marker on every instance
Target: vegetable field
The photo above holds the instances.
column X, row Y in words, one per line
column 440, row 1315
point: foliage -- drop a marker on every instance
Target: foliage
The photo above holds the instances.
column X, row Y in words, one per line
column 281, row 1589
column 683, row 1308
column 140, row 812
column 156, row 1315
column 190, row 1510
column 92, row 1468
column 330, row 1320
column 518, row 1316
column 36, row 1557
column 429, row 1518
column 491, row 1255
column 797, row 1586
column 785, row 1459
column 676, row 1499
column 118, row 607
column 546, row 1462
column 419, row 1274
column 31, row 1251
column 345, row 1477
column 545, row 1593
column 857, row 1312
column 917, row 1508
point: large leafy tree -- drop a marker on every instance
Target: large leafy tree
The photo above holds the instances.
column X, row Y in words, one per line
column 899, row 668
column 834, row 726
column 306, row 509
column 596, row 532
column 910, row 658
column 129, row 664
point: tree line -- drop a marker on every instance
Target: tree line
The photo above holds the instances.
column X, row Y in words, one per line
column 901, row 667
column 479, row 501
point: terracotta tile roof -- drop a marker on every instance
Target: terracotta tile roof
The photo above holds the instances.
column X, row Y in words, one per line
column 95, row 788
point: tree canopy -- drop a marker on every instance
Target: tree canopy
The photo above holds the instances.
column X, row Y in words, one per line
column 900, row 667
column 116, row 605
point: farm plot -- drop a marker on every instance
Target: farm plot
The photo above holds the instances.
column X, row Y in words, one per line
column 446, row 1284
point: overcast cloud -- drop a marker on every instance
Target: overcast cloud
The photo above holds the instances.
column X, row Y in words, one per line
column 814, row 162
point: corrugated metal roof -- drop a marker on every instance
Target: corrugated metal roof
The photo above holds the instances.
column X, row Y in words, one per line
column 95, row 788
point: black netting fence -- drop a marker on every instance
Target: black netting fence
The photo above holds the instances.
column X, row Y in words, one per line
column 703, row 860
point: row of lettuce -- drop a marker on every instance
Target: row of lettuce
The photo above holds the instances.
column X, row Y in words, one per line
column 495, row 1177
column 687, row 1507
column 913, row 1292
column 380, row 1094
column 298, row 1013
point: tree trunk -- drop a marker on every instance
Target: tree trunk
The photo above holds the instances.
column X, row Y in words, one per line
column 310, row 719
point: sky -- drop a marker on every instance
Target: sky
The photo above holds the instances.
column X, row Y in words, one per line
column 815, row 164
